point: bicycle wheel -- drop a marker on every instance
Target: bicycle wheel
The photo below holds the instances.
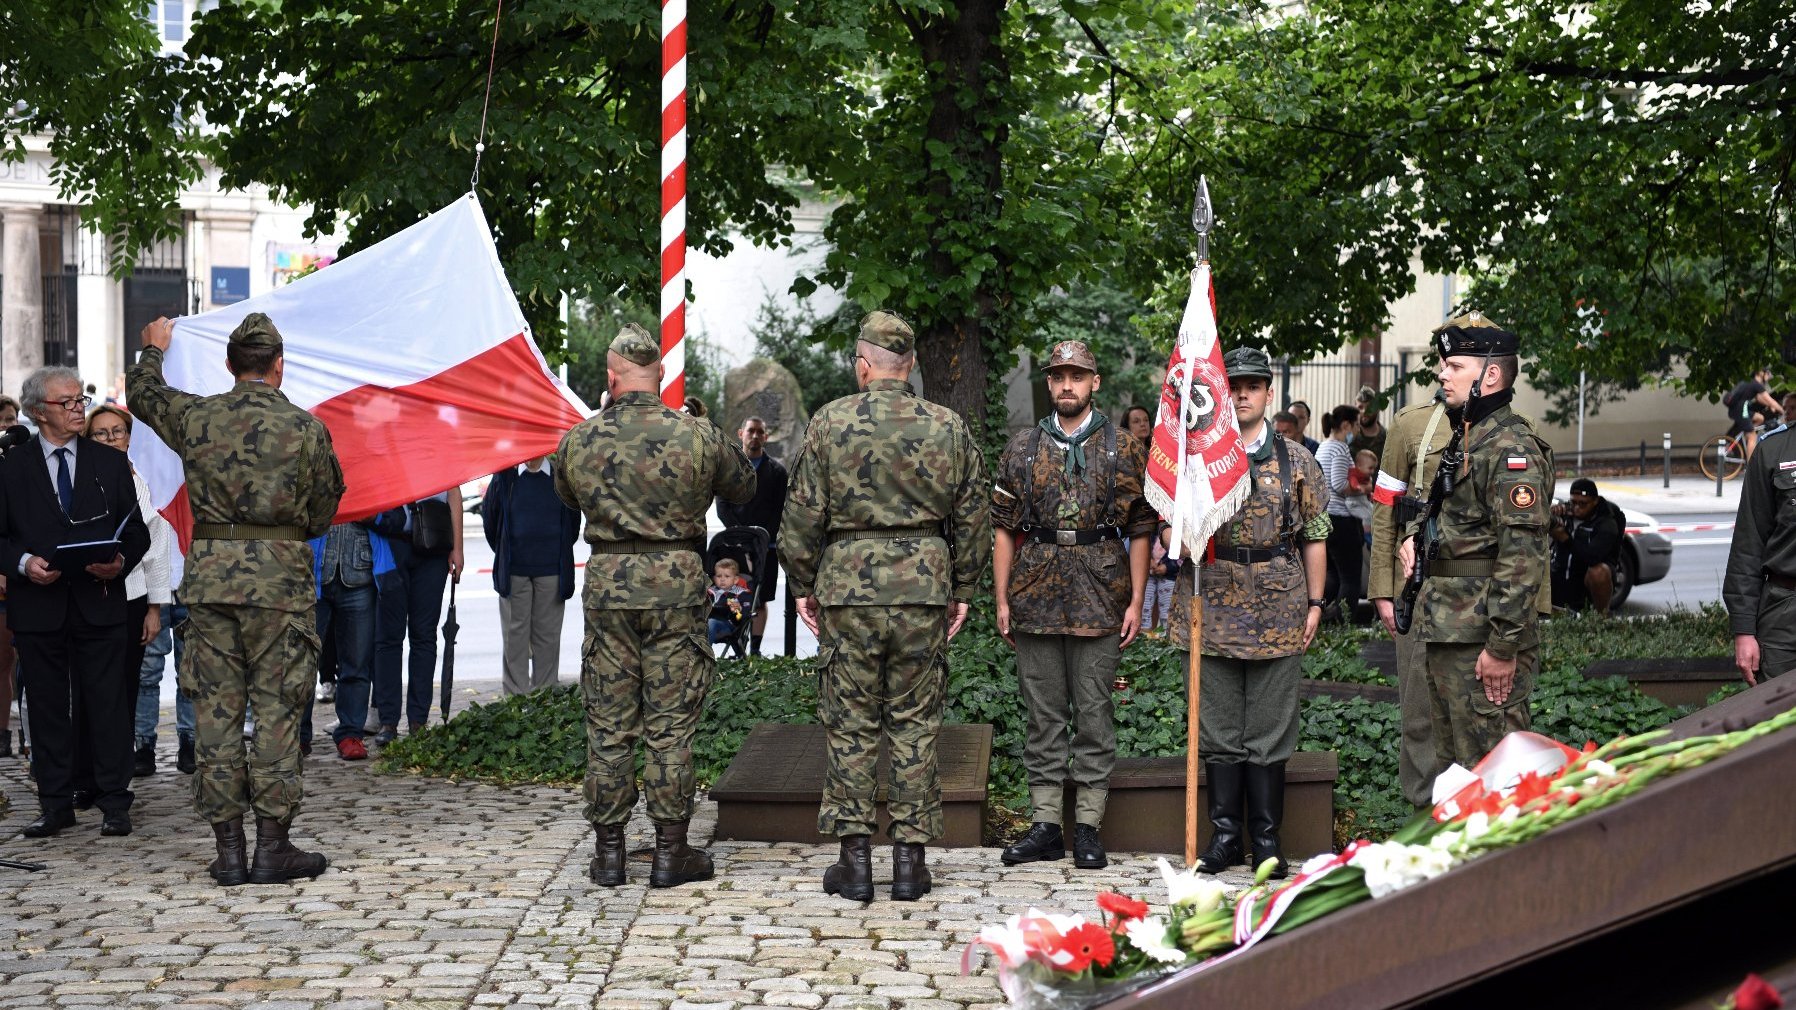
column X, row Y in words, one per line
column 1732, row 463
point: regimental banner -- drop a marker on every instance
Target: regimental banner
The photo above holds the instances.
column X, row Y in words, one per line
column 1196, row 464
column 413, row 352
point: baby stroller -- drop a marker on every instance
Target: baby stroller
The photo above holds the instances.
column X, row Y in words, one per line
column 747, row 545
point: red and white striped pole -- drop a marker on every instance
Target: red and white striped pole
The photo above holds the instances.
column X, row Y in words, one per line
column 673, row 202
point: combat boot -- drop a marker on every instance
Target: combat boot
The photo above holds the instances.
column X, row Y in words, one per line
column 1222, row 787
column 851, row 876
column 1043, row 841
column 232, row 865
column 276, row 860
column 676, row 862
column 1265, row 812
column 607, row 869
column 910, row 877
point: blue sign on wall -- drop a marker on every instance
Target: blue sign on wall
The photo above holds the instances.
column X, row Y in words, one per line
column 229, row 285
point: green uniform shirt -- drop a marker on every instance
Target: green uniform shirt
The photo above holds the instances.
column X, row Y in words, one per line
column 879, row 460
column 640, row 472
column 1764, row 530
column 250, row 457
column 1398, row 465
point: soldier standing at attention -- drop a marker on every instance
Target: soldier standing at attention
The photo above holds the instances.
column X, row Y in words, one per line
column 1760, row 587
column 644, row 477
column 1262, row 602
column 1487, row 552
column 884, row 537
column 262, row 479
column 1069, row 595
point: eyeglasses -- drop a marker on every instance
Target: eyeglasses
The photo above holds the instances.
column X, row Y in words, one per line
column 110, row 434
column 68, row 520
column 80, row 403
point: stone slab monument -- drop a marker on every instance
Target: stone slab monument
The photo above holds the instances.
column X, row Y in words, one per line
column 766, row 389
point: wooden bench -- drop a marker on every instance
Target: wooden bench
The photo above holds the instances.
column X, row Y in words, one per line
column 771, row 791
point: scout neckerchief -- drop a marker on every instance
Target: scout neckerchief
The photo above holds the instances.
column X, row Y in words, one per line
column 1074, row 444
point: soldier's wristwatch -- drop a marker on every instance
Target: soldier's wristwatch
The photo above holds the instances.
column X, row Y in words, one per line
column 1318, row 603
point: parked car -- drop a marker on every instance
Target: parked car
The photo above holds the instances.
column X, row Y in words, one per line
column 472, row 493
column 1645, row 555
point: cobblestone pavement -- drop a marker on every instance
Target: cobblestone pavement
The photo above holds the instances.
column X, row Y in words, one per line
column 449, row 895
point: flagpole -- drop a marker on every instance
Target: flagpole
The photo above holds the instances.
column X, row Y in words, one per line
column 1201, row 219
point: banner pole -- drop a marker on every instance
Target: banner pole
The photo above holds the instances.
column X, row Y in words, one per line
column 1193, row 699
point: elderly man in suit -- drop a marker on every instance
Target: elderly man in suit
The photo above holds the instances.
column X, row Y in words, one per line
column 68, row 619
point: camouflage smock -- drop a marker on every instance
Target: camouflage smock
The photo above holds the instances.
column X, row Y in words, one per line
column 1499, row 511
column 641, row 472
column 1258, row 610
column 250, row 457
column 886, row 459
column 1078, row 589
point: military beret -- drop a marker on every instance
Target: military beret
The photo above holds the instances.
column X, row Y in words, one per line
column 1070, row 354
column 256, row 330
column 1247, row 363
column 633, row 343
column 887, row 329
column 1472, row 333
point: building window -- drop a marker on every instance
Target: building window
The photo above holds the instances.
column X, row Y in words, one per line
column 169, row 18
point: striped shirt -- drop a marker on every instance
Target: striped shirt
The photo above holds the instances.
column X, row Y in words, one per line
column 1335, row 459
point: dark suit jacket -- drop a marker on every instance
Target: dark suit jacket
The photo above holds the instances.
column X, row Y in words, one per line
column 495, row 516
column 31, row 522
column 768, row 504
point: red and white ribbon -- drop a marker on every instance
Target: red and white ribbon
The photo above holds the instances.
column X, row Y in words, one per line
column 673, row 202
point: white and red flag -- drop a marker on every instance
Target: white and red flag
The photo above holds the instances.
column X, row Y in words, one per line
column 1196, row 464
column 413, row 352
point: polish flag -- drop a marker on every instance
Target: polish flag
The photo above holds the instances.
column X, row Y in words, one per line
column 413, row 352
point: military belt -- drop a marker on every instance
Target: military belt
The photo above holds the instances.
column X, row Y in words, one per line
column 246, row 531
column 894, row 533
column 1072, row 538
column 695, row 545
column 1252, row 555
column 1463, row 568
column 1781, row 581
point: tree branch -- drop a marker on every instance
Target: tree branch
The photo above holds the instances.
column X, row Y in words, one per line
column 1732, row 77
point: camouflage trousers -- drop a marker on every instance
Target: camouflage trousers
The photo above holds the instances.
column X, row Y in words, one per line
column 265, row 659
column 644, row 675
column 1059, row 673
column 882, row 675
column 1247, row 709
column 1466, row 724
column 1416, row 765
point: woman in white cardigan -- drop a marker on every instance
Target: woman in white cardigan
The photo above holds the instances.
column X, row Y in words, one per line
column 147, row 585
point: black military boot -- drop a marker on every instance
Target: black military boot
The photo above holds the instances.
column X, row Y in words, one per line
column 184, row 754
column 1265, row 812
column 607, row 868
column 676, row 862
column 1041, row 843
column 851, row 875
column 232, row 865
column 143, row 761
column 276, row 860
column 1223, row 790
column 1088, row 849
column 910, row 877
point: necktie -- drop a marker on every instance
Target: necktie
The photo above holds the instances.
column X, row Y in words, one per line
column 65, row 488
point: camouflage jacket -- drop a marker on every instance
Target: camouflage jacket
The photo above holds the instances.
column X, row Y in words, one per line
column 1075, row 589
column 250, row 456
column 640, row 473
column 1258, row 610
column 880, row 460
column 1497, row 517
column 1400, row 474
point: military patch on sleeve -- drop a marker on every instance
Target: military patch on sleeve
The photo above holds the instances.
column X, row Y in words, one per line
column 1523, row 496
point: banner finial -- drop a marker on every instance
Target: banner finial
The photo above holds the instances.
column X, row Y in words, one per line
column 1202, row 217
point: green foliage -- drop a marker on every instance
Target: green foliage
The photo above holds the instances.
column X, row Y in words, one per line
column 1573, row 708
column 1577, row 639
column 1364, row 736
column 535, row 737
column 1335, row 655
column 592, row 327
column 817, row 350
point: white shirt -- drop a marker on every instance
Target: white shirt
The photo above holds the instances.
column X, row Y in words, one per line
column 153, row 574
column 1254, row 446
column 524, row 468
column 50, row 458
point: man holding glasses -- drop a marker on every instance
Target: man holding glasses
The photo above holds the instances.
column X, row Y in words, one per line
column 68, row 616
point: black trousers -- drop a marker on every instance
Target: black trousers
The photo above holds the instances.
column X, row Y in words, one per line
column 1345, row 547
column 75, row 685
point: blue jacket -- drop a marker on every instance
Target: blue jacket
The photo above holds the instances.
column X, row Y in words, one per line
column 378, row 549
column 494, row 510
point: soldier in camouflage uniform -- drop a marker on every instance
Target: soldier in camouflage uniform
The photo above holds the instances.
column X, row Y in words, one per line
column 1262, row 603
column 884, row 536
column 1487, row 581
column 262, row 479
column 1068, row 492
column 1417, row 437
column 644, row 476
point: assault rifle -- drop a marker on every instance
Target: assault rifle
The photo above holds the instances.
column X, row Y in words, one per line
column 1428, row 538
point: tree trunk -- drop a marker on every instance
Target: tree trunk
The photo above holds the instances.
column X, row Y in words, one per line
column 967, row 76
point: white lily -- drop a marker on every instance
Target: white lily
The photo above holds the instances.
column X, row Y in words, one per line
column 1199, row 894
column 1149, row 936
column 1603, row 769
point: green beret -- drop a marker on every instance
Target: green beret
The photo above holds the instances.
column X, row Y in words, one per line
column 1472, row 333
column 256, row 330
column 887, row 329
column 634, row 344
column 1247, row 363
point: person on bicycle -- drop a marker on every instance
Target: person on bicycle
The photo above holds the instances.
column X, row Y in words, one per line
column 1748, row 405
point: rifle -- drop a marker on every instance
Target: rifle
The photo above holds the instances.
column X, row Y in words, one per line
column 1442, row 488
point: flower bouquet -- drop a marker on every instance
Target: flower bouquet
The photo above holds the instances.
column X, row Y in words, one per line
column 1524, row 788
